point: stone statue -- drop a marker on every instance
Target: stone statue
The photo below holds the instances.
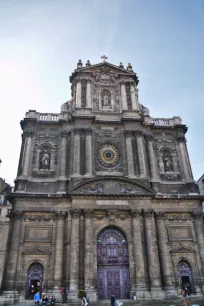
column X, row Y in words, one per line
column 45, row 160
column 106, row 98
column 168, row 165
column 105, row 101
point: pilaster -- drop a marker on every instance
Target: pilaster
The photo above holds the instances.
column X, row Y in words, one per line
column 88, row 259
column 153, row 258
column 124, row 97
column 166, row 263
column 74, row 259
column 141, row 154
column 141, row 288
column 129, row 151
column 76, row 170
column 88, row 154
column 78, row 94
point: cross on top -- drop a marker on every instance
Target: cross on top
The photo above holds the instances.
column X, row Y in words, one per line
column 104, row 58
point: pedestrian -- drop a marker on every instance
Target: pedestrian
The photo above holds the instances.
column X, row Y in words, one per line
column 44, row 300
column 37, row 299
column 112, row 300
column 84, row 301
column 52, row 300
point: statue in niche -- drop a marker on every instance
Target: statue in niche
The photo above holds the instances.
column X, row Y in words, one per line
column 45, row 160
column 168, row 164
column 106, row 98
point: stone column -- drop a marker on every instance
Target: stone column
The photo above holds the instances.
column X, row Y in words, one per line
column 78, row 94
column 27, row 154
column 141, row 287
column 37, row 165
column 152, row 159
column 198, row 275
column 59, row 250
column 140, row 151
column 124, row 97
column 184, row 159
column 76, row 170
column 10, row 275
column 63, row 157
column 88, row 94
column 153, row 257
column 166, row 263
column 135, row 104
column 88, row 153
column 52, row 160
column 198, row 225
column 74, row 259
column 130, row 161
column 88, row 259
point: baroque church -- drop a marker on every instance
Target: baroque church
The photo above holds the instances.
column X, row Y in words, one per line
column 105, row 199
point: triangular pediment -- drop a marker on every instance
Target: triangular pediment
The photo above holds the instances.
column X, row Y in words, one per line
column 112, row 186
column 105, row 66
column 105, row 69
column 182, row 249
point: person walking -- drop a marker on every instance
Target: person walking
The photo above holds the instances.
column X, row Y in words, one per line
column 37, row 299
column 44, row 300
column 112, row 300
column 52, row 300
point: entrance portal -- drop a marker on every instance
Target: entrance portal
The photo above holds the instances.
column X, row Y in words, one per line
column 185, row 275
column 113, row 264
column 34, row 280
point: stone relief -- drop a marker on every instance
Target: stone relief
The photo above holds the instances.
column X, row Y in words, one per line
column 111, row 215
column 110, row 186
column 38, row 217
column 105, row 75
column 36, row 249
column 179, row 233
column 182, row 249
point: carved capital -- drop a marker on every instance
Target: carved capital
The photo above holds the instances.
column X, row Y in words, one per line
column 129, row 133
column 197, row 216
column 65, row 133
column 138, row 133
column 149, row 214
column 18, row 214
column 60, row 215
column 75, row 213
column 136, row 214
column 88, row 213
column 160, row 216
column 88, row 131
column 149, row 137
column 181, row 139
column 100, row 215
column 38, row 217
column 28, row 133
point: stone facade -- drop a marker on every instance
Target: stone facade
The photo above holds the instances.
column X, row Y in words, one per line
column 104, row 196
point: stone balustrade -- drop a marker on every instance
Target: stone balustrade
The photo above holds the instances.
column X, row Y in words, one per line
column 43, row 116
column 164, row 121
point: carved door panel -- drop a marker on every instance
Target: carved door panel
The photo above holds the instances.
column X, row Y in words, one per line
column 113, row 264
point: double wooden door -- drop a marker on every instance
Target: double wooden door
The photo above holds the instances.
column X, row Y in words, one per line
column 113, row 281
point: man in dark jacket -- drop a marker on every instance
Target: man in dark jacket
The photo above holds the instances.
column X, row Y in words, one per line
column 112, row 300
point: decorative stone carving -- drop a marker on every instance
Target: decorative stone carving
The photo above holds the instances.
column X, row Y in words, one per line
column 177, row 217
column 105, row 75
column 167, row 159
column 122, row 215
column 197, row 215
column 182, row 249
column 75, row 213
column 88, row 213
column 179, row 233
column 60, row 214
column 100, row 215
column 137, row 214
column 149, row 214
column 160, row 216
column 111, row 186
column 38, row 217
column 38, row 233
column 37, row 250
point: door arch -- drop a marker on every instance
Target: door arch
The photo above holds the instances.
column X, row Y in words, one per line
column 186, row 275
column 112, row 264
column 34, row 278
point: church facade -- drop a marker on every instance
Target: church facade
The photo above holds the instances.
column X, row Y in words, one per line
column 105, row 199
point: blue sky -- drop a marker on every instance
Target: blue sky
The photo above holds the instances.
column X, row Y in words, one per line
column 41, row 42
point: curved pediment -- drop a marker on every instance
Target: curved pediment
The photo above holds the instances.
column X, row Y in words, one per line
column 111, row 185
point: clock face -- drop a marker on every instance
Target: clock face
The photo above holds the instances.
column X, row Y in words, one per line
column 108, row 156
